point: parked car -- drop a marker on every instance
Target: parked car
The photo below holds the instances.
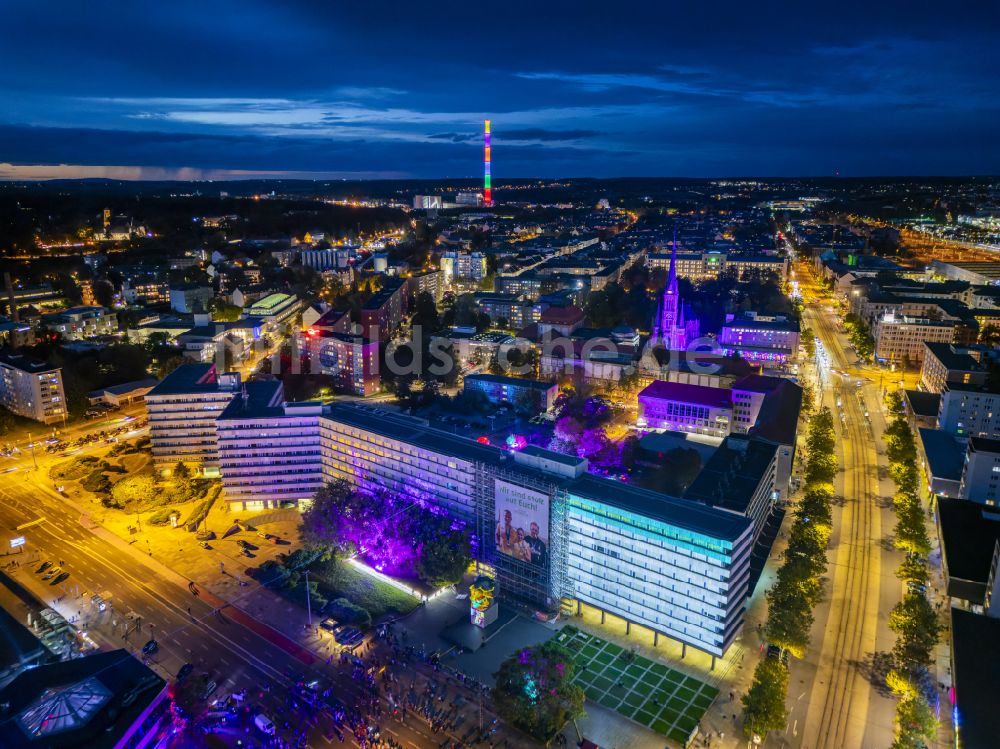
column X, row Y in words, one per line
column 150, row 647
column 44, row 566
column 185, row 671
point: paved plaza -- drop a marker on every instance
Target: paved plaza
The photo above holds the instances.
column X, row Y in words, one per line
column 652, row 694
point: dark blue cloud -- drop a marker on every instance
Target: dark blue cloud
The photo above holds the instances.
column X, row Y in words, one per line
column 572, row 88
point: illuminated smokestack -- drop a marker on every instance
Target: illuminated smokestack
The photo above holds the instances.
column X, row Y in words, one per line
column 487, row 187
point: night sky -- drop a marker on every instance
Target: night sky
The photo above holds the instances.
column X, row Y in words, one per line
column 362, row 88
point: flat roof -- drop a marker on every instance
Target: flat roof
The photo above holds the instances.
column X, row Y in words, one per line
column 976, row 657
column 945, row 454
column 271, row 301
column 968, row 536
column 952, row 359
column 516, row 381
column 791, row 326
column 263, row 399
column 923, row 404
column 696, row 518
column 731, row 476
column 188, row 378
column 683, row 392
column 25, row 364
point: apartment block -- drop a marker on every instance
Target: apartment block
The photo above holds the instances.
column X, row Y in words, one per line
column 32, row 389
column 182, row 410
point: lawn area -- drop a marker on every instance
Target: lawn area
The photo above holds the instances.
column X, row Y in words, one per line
column 346, row 581
column 653, row 694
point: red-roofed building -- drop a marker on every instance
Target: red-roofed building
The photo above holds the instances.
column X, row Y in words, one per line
column 560, row 320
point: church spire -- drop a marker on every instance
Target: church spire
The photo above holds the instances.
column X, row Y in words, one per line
column 672, row 279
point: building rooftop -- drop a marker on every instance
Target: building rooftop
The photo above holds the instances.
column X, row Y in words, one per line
column 31, row 366
column 923, row 405
column 741, row 322
column 256, row 399
column 515, row 381
column 731, row 476
column 562, row 315
column 984, row 445
column 968, row 538
column 945, row 454
column 189, row 378
column 952, row 358
column 683, row 392
column 91, row 701
column 976, row 658
column 672, row 510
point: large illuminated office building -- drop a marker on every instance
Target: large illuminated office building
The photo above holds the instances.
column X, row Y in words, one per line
column 676, row 567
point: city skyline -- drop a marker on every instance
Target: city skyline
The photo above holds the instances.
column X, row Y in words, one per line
column 189, row 92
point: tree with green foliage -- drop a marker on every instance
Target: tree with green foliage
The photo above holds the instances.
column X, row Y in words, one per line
column 444, row 556
column 535, row 691
column 789, row 618
column 764, row 703
column 916, row 725
column 916, row 627
column 911, row 530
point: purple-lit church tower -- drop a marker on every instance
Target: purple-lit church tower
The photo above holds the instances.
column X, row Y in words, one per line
column 670, row 330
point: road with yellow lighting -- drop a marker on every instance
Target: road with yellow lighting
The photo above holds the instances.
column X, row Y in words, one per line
column 833, row 700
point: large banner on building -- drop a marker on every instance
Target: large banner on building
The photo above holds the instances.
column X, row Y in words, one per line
column 522, row 523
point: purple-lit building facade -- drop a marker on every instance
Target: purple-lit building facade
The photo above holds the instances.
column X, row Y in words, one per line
column 760, row 340
column 679, row 568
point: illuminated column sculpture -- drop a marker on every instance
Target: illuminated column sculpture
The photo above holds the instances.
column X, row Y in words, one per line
column 487, row 188
column 484, row 609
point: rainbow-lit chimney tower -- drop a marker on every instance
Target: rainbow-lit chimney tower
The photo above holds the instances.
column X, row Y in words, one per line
column 487, row 188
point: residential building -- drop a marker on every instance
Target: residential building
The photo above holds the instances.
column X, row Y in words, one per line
column 969, row 411
column 509, row 310
column 703, row 266
column 463, row 265
column 428, row 282
column 534, row 396
column 32, row 389
column 383, row 313
column 190, row 298
column 901, row 339
column 353, row 361
column 268, row 449
column 945, row 364
column 145, row 290
column 981, row 471
column 182, row 411
column 77, row 323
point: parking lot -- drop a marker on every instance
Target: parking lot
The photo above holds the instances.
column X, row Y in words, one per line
column 652, row 694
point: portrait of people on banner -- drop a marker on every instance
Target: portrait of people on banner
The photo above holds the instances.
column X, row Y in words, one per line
column 522, row 524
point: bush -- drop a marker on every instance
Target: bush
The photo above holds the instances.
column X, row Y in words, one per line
column 135, row 490
column 96, row 482
column 162, row 517
column 346, row 612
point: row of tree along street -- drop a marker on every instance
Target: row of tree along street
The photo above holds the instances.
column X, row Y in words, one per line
column 913, row 619
column 798, row 585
